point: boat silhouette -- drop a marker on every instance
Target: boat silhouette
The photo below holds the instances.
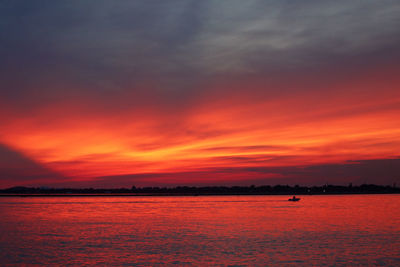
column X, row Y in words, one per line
column 294, row 198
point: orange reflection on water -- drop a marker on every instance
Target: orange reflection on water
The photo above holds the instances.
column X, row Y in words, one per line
column 226, row 230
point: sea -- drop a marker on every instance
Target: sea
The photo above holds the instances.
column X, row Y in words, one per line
column 329, row 230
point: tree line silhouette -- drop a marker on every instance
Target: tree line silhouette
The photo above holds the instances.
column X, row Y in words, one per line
column 209, row 190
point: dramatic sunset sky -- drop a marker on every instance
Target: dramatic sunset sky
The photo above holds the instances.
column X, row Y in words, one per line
column 118, row 93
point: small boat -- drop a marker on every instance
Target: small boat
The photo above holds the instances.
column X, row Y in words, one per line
column 294, row 198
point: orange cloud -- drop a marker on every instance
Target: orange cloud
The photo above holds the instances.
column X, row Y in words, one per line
column 351, row 119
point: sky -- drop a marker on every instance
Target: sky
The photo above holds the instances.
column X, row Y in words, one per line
column 98, row 93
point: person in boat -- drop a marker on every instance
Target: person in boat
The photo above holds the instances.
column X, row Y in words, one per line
column 294, row 198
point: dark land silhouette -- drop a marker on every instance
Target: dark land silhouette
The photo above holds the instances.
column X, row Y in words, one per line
column 206, row 190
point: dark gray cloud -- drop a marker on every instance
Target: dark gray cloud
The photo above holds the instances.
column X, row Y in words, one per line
column 64, row 48
column 18, row 169
column 379, row 171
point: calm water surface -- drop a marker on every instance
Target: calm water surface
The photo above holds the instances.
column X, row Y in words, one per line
column 210, row 230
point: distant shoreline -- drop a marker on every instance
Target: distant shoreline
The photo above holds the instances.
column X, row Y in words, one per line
column 201, row 191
